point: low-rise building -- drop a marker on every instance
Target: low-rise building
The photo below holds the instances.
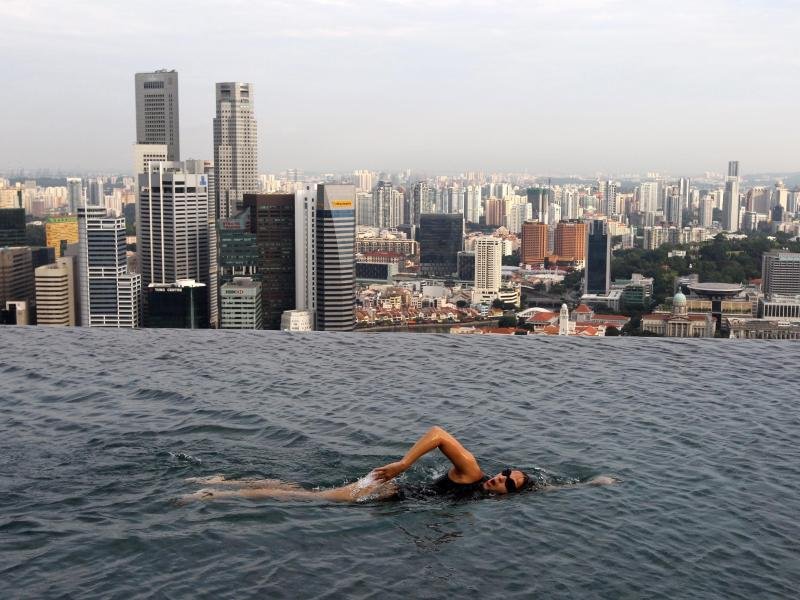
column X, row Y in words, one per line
column 679, row 323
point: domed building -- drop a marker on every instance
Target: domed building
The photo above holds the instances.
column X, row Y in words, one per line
column 679, row 323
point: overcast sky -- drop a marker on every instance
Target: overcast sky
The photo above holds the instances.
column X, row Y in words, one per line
column 548, row 86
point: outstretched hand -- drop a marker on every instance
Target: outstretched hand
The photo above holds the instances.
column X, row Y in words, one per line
column 390, row 471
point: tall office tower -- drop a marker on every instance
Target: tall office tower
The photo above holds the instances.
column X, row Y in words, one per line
column 206, row 167
column 110, row 296
column 305, row 243
column 172, row 225
column 60, row 231
column 235, row 147
column 473, row 208
column 537, row 198
column 272, row 221
column 495, row 212
column 182, row 304
column 570, row 240
column 157, row 110
column 683, row 192
column 597, row 279
column 55, row 293
column 673, row 212
column 648, row 196
column 238, row 250
column 553, row 214
column 74, row 194
column 488, row 266
column 144, row 154
column 517, row 215
column 16, row 276
column 730, row 208
column 780, row 273
column 335, row 226
column 441, row 238
column 12, row 227
column 534, row 243
column 241, row 304
column 706, row 211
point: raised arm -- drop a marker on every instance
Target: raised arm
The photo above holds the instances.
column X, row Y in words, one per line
column 465, row 467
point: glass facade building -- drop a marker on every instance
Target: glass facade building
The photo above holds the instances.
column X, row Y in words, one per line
column 180, row 305
column 597, row 279
column 441, row 238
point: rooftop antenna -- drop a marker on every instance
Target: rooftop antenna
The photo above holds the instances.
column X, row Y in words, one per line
column 19, row 198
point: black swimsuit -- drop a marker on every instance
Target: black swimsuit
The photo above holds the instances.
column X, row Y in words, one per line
column 443, row 487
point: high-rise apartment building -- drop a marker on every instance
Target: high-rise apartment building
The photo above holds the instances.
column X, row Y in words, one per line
column 241, row 304
column 780, row 273
column 570, row 241
column 382, row 202
column 365, row 210
column 110, row 296
column 517, row 215
column 441, row 238
column 608, row 197
column 421, row 201
column 534, row 243
column 235, row 147
column 172, row 225
column 488, row 267
column 335, row 231
column 673, row 211
column 74, row 194
column 648, row 196
column 495, row 212
column 731, row 207
column 706, row 210
column 597, row 278
column 157, row 110
column 60, row 231
column 55, row 293
column 272, row 221
column 473, row 207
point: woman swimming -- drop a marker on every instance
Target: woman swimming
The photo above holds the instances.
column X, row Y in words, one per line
column 465, row 479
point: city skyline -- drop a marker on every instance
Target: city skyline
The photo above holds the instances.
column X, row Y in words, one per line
column 435, row 86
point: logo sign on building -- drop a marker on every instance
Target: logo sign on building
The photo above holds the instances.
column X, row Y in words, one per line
column 341, row 204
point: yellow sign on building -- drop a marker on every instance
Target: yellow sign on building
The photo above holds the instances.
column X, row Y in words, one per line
column 342, row 203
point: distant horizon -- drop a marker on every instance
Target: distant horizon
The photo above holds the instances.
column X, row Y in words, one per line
column 574, row 86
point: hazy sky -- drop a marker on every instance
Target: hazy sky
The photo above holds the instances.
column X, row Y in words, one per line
column 548, row 86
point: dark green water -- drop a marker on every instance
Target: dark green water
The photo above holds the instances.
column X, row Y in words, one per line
column 99, row 429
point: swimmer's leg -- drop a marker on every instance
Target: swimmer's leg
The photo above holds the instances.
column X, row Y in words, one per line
column 243, row 483
column 207, row 494
column 602, row 480
column 358, row 491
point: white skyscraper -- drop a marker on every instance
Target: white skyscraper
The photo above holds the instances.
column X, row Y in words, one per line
column 305, row 243
column 110, row 296
column 648, row 197
column 172, row 224
column 488, row 267
column 517, row 215
column 235, row 147
column 157, row 110
column 706, row 210
column 473, row 206
column 730, row 205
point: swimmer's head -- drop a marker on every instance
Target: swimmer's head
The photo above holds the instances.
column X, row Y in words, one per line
column 508, row 481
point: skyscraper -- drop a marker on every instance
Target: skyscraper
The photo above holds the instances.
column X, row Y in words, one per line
column 16, row 276
column 272, row 221
column 597, row 279
column 335, row 257
column 235, row 147
column 730, row 208
column 60, row 231
column 182, row 304
column 172, row 225
column 110, row 296
column 441, row 238
column 241, row 304
column 157, row 110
